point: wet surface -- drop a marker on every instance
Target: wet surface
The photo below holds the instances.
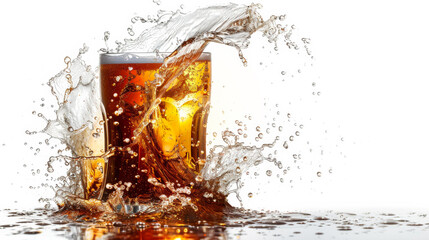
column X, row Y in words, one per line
column 46, row 224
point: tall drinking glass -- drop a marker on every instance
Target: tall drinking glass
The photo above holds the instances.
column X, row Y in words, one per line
column 172, row 147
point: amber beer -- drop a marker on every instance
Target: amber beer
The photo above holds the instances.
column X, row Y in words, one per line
column 171, row 148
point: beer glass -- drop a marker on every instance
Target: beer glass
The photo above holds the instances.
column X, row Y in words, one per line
column 171, row 148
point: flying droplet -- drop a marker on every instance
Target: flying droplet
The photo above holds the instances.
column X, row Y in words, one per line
column 285, row 145
column 106, row 35
column 130, row 31
column 269, row 173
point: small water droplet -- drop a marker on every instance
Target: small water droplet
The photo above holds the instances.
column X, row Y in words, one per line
column 198, row 178
column 269, row 173
column 130, row 31
column 285, row 145
column 319, row 174
column 106, row 35
column 250, row 195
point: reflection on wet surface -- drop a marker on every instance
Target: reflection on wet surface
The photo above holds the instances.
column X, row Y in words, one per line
column 46, row 224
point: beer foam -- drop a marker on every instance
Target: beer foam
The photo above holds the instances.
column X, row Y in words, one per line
column 121, row 58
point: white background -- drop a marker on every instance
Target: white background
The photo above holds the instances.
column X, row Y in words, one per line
column 371, row 58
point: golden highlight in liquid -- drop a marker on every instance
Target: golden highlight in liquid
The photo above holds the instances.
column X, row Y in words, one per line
column 172, row 147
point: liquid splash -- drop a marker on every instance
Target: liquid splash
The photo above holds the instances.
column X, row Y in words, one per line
column 80, row 123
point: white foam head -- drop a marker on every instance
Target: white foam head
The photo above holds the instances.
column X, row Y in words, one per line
column 120, row 58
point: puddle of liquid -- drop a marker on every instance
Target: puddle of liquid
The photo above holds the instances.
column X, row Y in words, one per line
column 239, row 223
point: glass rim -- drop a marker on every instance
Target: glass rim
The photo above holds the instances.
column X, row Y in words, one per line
column 141, row 57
